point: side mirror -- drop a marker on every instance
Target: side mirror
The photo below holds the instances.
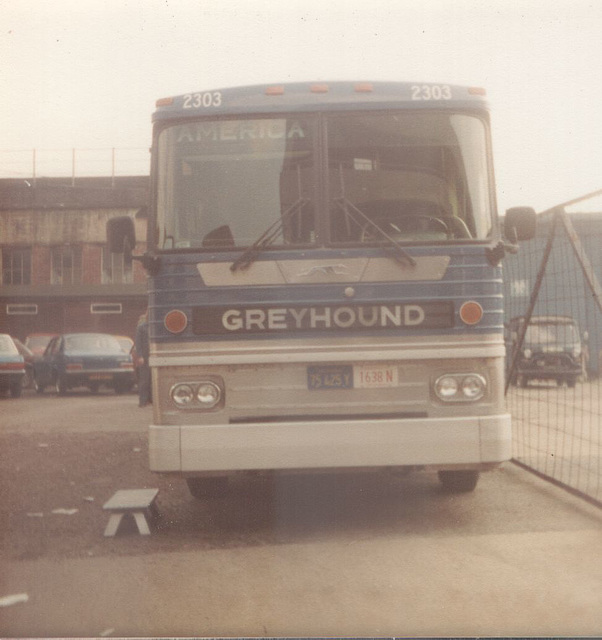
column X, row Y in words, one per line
column 520, row 223
column 121, row 237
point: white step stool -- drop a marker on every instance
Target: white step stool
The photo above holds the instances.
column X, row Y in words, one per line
column 136, row 502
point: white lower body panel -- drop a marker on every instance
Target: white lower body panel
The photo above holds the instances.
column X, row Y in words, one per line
column 331, row 444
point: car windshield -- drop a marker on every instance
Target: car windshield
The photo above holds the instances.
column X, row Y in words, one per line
column 125, row 344
column 38, row 343
column 93, row 343
column 550, row 333
column 7, row 346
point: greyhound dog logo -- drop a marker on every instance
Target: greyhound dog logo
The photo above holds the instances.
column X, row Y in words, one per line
column 327, row 270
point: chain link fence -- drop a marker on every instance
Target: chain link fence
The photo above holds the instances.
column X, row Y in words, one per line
column 33, row 164
column 553, row 333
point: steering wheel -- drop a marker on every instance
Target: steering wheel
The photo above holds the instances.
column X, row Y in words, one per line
column 406, row 225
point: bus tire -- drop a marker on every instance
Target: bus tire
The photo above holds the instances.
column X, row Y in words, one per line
column 201, row 488
column 461, row 481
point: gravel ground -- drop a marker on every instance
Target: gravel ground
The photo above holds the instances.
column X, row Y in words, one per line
column 41, row 473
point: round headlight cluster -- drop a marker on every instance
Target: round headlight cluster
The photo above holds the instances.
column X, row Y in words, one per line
column 196, row 395
column 460, row 387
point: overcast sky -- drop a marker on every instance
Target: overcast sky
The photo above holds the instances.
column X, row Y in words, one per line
column 85, row 74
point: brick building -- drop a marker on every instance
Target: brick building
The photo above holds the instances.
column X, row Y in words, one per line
column 56, row 273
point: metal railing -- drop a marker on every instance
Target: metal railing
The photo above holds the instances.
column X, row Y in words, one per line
column 32, row 164
column 553, row 321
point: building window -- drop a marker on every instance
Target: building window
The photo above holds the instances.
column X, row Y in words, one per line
column 114, row 271
column 106, row 307
column 21, row 309
column 66, row 265
column 16, row 266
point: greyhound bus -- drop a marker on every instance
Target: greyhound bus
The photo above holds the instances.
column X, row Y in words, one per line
column 325, row 284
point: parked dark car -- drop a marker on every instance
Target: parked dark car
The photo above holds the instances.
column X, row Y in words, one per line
column 551, row 350
column 29, row 358
column 12, row 367
column 84, row 360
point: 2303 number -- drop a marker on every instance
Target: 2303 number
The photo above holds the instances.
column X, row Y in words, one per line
column 431, row 92
column 202, row 100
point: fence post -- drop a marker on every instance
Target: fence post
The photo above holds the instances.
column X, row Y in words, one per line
column 533, row 299
column 585, row 264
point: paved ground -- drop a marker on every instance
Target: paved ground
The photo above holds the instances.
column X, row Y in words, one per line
column 355, row 555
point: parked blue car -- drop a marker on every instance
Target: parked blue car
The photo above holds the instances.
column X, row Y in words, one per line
column 12, row 367
column 87, row 360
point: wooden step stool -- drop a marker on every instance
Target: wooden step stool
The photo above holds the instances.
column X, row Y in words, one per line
column 137, row 503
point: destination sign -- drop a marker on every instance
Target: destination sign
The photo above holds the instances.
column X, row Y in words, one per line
column 262, row 319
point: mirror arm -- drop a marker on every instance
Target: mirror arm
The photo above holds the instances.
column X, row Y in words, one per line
column 150, row 262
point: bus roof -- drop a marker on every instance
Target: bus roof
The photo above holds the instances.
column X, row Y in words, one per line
column 319, row 96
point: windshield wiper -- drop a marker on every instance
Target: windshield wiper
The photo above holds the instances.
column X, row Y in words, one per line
column 399, row 253
column 248, row 256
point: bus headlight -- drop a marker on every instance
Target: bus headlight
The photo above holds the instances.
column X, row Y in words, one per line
column 460, row 387
column 182, row 394
column 446, row 387
column 197, row 395
column 208, row 394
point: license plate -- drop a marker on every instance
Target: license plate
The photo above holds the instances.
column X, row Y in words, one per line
column 375, row 376
column 330, row 377
column 100, row 376
column 349, row 377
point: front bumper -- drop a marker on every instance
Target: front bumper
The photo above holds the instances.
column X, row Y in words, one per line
column 8, row 380
column 453, row 441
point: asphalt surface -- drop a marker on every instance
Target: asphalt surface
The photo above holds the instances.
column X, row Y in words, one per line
column 354, row 555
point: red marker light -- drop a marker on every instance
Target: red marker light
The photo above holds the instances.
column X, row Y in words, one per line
column 164, row 102
column 363, row 87
column 319, row 88
column 176, row 321
column 471, row 313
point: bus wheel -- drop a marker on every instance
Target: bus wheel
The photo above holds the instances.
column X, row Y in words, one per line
column 459, row 481
column 207, row 487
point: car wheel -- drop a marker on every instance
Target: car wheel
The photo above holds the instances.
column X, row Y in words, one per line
column 207, row 487
column 61, row 385
column 523, row 381
column 39, row 387
column 27, row 380
column 571, row 382
column 16, row 390
column 461, row 481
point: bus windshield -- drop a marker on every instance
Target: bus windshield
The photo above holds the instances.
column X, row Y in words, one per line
column 404, row 175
